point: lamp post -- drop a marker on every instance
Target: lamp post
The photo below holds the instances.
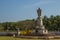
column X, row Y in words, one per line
column 18, row 32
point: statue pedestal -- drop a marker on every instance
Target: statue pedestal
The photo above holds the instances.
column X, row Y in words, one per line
column 40, row 29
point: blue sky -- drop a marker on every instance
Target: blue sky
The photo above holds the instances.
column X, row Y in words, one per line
column 16, row 10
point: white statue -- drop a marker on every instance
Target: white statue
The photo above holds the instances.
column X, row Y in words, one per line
column 40, row 27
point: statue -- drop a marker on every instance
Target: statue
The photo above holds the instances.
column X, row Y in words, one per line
column 39, row 12
column 40, row 28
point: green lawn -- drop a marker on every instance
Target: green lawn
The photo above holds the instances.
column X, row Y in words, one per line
column 12, row 38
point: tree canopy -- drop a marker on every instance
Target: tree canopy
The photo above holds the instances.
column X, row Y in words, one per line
column 51, row 23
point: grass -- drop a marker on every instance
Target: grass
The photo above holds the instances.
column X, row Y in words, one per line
column 12, row 38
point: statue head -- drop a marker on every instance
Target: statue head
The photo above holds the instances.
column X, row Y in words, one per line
column 39, row 12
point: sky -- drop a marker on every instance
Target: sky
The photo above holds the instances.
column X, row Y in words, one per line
column 17, row 10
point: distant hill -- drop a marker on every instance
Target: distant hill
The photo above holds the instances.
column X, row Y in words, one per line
column 51, row 23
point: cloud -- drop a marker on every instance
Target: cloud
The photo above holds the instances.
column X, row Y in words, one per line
column 45, row 2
